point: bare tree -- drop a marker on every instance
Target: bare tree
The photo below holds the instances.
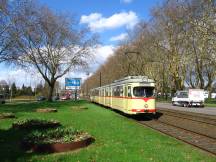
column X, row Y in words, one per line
column 176, row 47
column 200, row 36
column 5, row 24
column 50, row 42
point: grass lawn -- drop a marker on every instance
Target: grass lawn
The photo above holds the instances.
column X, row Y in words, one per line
column 210, row 102
column 210, row 105
column 118, row 139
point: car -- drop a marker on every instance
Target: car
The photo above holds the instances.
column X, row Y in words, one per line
column 65, row 97
column 41, row 98
column 55, row 98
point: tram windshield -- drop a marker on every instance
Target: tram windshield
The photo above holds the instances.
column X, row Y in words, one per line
column 143, row 91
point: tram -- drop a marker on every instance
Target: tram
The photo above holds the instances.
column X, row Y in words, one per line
column 131, row 95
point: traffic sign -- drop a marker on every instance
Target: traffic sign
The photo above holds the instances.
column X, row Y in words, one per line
column 72, row 83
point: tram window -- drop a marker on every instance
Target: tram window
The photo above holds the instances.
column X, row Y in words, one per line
column 116, row 91
column 107, row 92
column 97, row 92
column 129, row 91
column 103, row 92
column 121, row 91
column 125, row 91
column 143, row 91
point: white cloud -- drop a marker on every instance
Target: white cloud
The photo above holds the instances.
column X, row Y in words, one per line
column 20, row 77
column 120, row 37
column 96, row 22
column 32, row 77
column 126, row 1
column 103, row 52
column 90, row 18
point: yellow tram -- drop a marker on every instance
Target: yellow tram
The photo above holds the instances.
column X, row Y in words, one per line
column 131, row 95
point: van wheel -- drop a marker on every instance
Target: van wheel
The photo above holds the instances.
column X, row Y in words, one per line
column 185, row 105
column 173, row 103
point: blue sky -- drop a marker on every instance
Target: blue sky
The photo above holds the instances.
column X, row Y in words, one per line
column 111, row 19
column 106, row 8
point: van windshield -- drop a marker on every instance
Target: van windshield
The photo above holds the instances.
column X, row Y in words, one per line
column 143, row 91
column 183, row 95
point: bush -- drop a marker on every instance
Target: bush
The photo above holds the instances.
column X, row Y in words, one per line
column 57, row 135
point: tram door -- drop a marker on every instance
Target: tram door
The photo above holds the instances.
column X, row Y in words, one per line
column 128, row 96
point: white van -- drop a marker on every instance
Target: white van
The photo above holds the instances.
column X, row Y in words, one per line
column 187, row 98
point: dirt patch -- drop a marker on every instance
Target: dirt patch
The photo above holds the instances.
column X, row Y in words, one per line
column 79, row 108
column 46, row 110
column 7, row 115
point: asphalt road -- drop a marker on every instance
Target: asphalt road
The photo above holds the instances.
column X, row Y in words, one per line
column 205, row 110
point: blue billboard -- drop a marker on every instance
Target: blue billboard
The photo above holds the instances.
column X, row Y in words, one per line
column 72, row 83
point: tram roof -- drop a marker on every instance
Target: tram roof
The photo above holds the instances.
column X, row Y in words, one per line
column 130, row 79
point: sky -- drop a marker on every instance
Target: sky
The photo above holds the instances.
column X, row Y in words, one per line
column 110, row 19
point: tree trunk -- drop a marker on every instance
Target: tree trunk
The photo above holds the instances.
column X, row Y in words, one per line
column 51, row 89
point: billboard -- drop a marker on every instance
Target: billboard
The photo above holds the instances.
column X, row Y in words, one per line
column 72, row 83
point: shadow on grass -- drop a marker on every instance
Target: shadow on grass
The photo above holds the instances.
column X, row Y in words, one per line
column 10, row 145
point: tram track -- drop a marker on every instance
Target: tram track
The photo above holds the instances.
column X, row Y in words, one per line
column 197, row 123
column 202, row 140
column 198, row 130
